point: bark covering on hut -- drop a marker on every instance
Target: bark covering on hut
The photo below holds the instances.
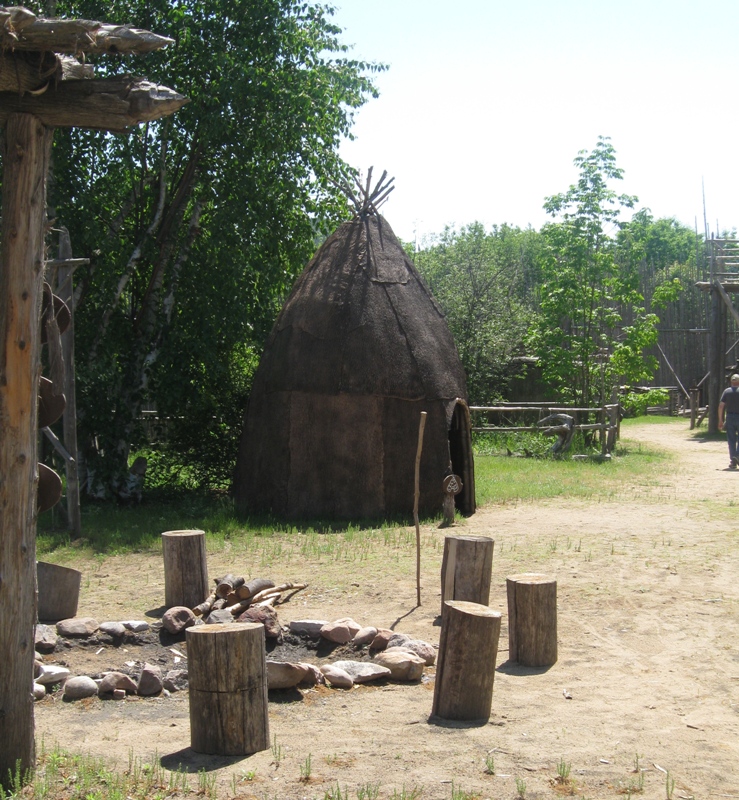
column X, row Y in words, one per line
column 358, row 351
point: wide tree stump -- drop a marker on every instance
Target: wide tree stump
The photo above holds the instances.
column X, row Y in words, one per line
column 58, row 591
column 227, row 676
column 466, row 665
column 466, row 569
column 532, row 619
column 185, row 568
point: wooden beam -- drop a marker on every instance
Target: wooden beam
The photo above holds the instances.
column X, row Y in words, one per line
column 114, row 104
column 20, row 29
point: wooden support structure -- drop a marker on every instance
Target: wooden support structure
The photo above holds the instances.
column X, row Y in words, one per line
column 41, row 100
column 185, row 568
column 532, row 619
column 58, row 591
column 227, row 677
column 465, row 671
column 25, row 159
column 466, row 569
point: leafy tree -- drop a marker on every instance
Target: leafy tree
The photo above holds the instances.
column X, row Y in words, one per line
column 197, row 225
column 479, row 279
column 580, row 335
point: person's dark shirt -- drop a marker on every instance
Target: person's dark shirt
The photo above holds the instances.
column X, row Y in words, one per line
column 730, row 398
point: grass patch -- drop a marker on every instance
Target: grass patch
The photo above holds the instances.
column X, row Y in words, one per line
column 109, row 529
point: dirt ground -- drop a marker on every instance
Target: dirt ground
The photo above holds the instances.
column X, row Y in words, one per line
column 647, row 676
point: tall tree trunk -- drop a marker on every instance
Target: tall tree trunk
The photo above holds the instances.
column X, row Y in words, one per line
column 25, row 160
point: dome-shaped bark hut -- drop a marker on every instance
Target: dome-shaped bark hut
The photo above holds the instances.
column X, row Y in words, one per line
column 358, row 351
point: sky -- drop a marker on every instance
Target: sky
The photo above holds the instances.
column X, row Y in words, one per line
column 486, row 103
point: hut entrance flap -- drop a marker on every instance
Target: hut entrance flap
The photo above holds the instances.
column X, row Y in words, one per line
column 460, row 452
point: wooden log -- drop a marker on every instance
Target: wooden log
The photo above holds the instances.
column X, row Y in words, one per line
column 465, row 670
column 58, row 591
column 26, row 145
column 113, row 104
column 204, row 608
column 532, row 619
column 253, row 587
column 466, row 569
column 20, row 29
column 227, row 584
column 185, row 568
column 227, row 676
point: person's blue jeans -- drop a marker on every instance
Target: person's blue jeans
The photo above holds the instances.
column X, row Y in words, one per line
column 732, row 434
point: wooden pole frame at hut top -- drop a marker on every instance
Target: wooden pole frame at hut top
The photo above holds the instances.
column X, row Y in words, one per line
column 43, row 86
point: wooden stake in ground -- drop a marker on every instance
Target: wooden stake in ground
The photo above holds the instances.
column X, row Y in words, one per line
column 466, row 668
column 185, row 568
column 421, row 427
column 466, row 569
column 532, row 619
column 227, row 675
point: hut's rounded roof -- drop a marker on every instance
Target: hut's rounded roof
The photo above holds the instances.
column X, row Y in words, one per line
column 361, row 320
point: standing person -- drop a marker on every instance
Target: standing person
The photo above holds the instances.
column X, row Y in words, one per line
column 728, row 410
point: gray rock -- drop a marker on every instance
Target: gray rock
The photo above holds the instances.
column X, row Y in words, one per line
column 284, row 675
column 150, row 682
column 364, row 636
column 45, row 637
column 115, row 629
column 175, row 680
column 116, row 680
column 39, row 691
column 135, row 625
column 363, row 671
column 38, row 668
column 337, row 677
column 77, row 627
column 308, row 627
column 399, row 639
column 420, row 648
column 51, row 674
column 79, row 687
column 402, row 666
column 219, row 616
column 341, row 631
column 177, row 618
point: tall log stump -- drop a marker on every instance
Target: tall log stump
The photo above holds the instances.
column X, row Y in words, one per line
column 185, row 568
column 227, row 676
column 532, row 619
column 466, row 569
column 58, row 591
column 465, row 671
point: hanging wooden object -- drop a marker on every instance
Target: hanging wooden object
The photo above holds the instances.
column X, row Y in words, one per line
column 58, row 591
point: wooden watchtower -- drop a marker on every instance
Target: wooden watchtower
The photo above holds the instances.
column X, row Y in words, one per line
column 44, row 84
column 723, row 284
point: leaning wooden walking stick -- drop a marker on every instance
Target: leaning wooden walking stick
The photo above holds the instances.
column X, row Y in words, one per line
column 421, row 427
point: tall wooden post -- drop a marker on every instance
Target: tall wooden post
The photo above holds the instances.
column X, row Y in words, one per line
column 66, row 293
column 716, row 349
column 25, row 160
